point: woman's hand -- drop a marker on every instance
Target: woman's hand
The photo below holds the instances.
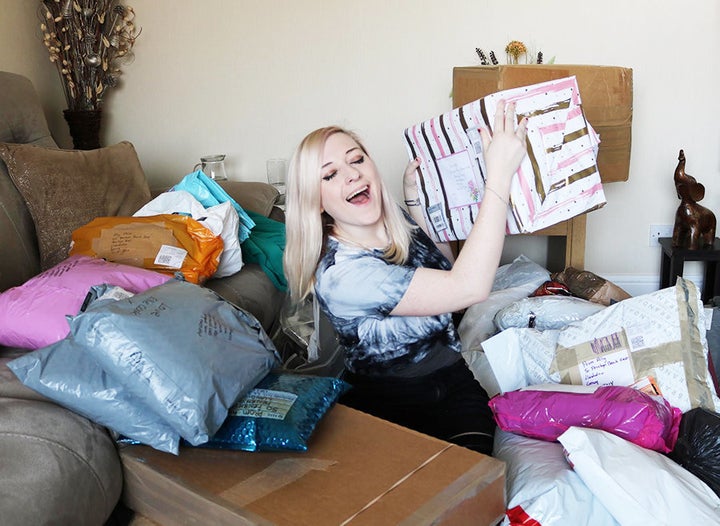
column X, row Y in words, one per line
column 412, row 203
column 505, row 149
column 409, row 182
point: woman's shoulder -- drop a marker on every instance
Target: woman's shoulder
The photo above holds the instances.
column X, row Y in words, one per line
column 339, row 255
column 346, row 263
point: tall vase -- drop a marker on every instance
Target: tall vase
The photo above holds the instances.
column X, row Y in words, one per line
column 84, row 128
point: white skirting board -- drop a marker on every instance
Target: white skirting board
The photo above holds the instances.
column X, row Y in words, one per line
column 637, row 284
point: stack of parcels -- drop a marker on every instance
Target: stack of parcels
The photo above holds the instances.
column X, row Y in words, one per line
column 557, row 180
column 588, row 414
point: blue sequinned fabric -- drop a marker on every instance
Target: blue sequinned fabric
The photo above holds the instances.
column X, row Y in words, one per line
column 279, row 414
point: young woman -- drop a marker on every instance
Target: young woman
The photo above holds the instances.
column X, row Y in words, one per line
column 388, row 290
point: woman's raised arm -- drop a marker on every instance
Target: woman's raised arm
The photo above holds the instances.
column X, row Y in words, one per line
column 433, row 292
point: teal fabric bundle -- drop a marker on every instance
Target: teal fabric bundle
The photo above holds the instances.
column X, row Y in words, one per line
column 265, row 246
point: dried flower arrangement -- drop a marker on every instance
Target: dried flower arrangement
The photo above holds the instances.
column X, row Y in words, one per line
column 89, row 41
column 515, row 49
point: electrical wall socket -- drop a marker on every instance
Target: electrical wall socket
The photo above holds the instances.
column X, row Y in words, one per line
column 658, row 231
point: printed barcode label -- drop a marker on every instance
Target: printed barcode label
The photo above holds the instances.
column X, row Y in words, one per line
column 116, row 293
column 265, row 403
column 476, row 140
column 437, row 217
column 635, row 337
column 171, row 257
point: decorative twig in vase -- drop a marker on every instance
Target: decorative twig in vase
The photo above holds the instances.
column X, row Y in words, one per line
column 89, row 41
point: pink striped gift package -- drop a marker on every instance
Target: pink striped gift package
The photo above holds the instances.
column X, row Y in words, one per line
column 557, row 180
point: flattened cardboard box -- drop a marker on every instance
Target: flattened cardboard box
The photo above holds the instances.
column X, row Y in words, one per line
column 607, row 94
column 358, row 470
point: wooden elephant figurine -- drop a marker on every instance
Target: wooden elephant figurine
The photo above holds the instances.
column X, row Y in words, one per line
column 694, row 224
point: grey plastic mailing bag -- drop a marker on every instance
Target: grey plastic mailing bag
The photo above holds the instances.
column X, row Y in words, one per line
column 185, row 352
column 65, row 373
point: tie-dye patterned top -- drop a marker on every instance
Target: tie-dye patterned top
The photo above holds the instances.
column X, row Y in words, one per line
column 357, row 289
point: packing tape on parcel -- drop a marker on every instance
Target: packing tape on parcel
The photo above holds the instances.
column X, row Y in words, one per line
column 403, row 479
column 275, row 476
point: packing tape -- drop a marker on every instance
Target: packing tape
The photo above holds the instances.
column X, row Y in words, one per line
column 696, row 364
column 278, row 474
column 403, row 479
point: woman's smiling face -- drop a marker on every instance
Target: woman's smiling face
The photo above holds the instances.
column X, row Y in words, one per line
column 350, row 189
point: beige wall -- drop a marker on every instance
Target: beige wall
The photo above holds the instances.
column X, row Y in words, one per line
column 250, row 77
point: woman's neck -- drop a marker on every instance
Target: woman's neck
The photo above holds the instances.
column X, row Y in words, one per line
column 370, row 239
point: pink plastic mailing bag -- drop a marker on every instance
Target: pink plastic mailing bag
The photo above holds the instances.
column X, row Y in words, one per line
column 33, row 315
column 648, row 421
column 557, row 180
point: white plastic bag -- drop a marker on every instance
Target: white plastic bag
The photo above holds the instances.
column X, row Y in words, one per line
column 541, row 485
column 513, row 282
column 545, row 312
column 637, row 485
column 222, row 220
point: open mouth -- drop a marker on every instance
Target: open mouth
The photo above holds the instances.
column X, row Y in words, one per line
column 360, row 196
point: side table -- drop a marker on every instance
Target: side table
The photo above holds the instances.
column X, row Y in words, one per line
column 673, row 261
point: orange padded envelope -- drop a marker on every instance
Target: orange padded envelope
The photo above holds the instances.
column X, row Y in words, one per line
column 166, row 243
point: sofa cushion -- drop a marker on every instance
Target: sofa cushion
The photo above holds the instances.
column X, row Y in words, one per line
column 251, row 290
column 22, row 119
column 65, row 189
column 57, row 467
column 17, row 231
column 10, row 385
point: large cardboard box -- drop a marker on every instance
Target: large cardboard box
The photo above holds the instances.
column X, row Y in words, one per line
column 607, row 95
column 358, row 470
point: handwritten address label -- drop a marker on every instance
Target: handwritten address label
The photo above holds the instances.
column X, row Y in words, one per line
column 609, row 369
column 122, row 241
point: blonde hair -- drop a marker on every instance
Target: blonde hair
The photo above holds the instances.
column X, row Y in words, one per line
column 307, row 227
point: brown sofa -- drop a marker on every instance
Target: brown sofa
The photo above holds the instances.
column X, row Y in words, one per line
column 57, row 467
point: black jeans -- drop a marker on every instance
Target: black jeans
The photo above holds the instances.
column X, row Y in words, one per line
column 448, row 404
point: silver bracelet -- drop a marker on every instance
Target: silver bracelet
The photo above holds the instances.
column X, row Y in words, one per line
column 498, row 196
column 413, row 202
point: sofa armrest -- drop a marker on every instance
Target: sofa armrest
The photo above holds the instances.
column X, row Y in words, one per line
column 22, row 119
column 256, row 196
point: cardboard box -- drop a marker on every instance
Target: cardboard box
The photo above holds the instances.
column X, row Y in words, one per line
column 607, row 95
column 359, row 470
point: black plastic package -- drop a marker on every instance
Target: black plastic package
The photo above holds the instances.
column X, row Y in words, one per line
column 698, row 446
